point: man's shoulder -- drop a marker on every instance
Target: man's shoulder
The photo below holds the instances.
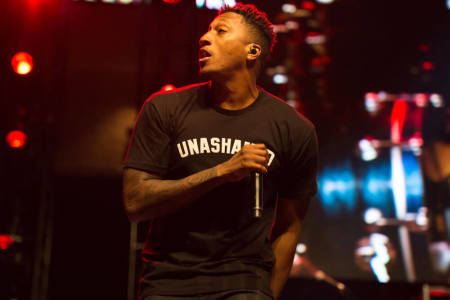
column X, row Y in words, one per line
column 283, row 111
column 180, row 94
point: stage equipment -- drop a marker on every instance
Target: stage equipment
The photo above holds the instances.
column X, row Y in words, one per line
column 302, row 267
column 375, row 252
column 406, row 119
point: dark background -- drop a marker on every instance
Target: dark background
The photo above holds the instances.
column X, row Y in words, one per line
column 95, row 64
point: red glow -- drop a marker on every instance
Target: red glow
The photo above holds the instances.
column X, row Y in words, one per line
column 397, row 120
column 439, row 293
column 16, row 139
column 420, row 100
column 308, row 5
column 427, row 66
column 5, row 242
column 316, row 61
column 172, row 1
column 424, row 48
column 416, row 140
column 371, row 95
column 168, row 87
column 319, row 61
column 22, row 63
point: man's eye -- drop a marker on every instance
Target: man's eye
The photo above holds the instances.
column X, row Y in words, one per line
column 221, row 30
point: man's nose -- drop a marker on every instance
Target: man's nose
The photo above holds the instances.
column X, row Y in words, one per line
column 204, row 40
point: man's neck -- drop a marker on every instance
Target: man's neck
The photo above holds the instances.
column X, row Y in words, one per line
column 235, row 93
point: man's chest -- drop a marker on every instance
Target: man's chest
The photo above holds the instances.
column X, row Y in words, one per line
column 204, row 140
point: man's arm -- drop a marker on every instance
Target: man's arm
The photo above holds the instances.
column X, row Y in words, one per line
column 285, row 238
column 149, row 195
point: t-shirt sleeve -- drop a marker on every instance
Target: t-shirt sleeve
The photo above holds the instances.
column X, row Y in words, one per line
column 149, row 145
column 300, row 168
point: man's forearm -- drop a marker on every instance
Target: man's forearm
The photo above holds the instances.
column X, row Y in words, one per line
column 153, row 197
column 284, row 250
column 147, row 196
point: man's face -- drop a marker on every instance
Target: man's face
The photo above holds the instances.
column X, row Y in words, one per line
column 223, row 48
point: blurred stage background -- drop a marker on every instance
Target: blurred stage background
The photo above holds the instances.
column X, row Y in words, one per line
column 372, row 75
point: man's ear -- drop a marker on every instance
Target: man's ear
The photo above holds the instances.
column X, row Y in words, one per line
column 253, row 51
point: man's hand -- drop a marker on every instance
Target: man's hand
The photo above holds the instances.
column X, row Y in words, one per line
column 251, row 158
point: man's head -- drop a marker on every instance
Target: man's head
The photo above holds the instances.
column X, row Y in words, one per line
column 240, row 38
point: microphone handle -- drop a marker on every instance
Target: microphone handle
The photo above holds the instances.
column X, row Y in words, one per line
column 258, row 204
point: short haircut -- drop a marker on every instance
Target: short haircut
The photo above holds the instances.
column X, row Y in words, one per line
column 258, row 21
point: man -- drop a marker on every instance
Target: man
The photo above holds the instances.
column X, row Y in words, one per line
column 188, row 167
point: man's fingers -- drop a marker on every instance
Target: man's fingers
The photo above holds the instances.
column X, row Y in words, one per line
column 257, row 168
column 256, row 163
column 255, row 146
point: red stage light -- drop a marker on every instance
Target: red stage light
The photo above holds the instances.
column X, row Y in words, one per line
column 427, row 66
column 316, row 61
column 421, row 100
column 172, row 1
column 424, row 48
column 5, row 242
column 319, row 61
column 22, row 63
column 168, row 87
column 398, row 120
column 308, row 5
column 16, row 139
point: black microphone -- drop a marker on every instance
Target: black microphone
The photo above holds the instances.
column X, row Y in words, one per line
column 257, row 179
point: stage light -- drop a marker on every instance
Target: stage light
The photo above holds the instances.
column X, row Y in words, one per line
column 126, row 1
column 308, row 5
column 217, row 4
column 288, row 8
column 172, row 1
column 436, row 100
column 325, row 1
column 448, row 4
column 200, row 3
column 292, row 25
column 337, row 188
column 313, row 38
column 422, row 217
column 214, row 4
column 424, row 48
column 428, row 66
column 22, row 63
column 280, row 79
column 415, row 143
column 378, row 263
column 421, row 100
column 371, row 102
column 368, row 151
column 5, row 241
column 398, row 120
column 168, row 87
column 301, row 248
column 16, row 139
column 316, row 62
column 372, row 215
column 229, row 2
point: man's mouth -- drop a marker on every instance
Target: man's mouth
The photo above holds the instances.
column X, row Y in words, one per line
column 203, row 55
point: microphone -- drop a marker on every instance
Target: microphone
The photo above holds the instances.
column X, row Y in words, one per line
column 257, row 178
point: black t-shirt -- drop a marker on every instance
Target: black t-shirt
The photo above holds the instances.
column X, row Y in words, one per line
column 214, row 244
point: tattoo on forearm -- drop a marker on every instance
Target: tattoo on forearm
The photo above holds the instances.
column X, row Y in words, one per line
column 143, row 191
